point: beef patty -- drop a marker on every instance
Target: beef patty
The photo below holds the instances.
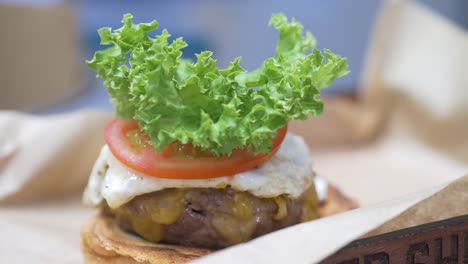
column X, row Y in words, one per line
column 211, row 218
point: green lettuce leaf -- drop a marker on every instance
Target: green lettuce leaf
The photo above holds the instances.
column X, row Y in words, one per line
column 216, row 109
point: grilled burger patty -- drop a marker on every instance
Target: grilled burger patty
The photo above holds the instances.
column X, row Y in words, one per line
column 211, row 218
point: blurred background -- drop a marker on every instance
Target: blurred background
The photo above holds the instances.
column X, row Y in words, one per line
column 45, row 42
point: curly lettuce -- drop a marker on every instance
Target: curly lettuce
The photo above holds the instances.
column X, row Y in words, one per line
column 215, row 109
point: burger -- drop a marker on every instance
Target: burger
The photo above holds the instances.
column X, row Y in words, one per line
column 199, row 157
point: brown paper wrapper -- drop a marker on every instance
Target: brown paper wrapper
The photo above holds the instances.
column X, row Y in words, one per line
column 401, row 158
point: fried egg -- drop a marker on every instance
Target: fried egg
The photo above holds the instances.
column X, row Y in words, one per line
column 288, row 172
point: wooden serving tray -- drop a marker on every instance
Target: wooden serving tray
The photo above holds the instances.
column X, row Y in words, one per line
column 444, row 241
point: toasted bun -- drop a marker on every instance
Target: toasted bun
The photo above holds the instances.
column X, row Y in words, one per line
column 102, row 241
column 336, row 202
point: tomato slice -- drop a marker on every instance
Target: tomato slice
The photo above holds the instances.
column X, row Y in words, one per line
column 178, row 161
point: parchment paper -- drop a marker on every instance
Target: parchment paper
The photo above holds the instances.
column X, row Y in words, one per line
column 399, row 156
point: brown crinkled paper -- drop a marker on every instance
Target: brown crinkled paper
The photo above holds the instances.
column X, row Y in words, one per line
column 400, row 149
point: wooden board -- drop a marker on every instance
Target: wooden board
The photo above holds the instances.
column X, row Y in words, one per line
column 438, row 242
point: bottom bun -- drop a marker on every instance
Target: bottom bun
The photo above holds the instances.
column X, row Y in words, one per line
column 102, row 241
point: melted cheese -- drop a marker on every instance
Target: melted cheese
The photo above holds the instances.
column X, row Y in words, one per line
column 288, row 172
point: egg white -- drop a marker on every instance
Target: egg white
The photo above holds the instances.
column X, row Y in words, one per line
column 288, row 172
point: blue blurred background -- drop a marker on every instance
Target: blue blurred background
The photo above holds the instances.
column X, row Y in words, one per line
column 234, row 28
